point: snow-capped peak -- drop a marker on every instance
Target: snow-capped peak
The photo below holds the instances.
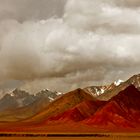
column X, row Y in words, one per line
column 117, row 83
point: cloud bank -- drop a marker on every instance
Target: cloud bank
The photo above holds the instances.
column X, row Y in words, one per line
column 22, row 10
column 92, row 42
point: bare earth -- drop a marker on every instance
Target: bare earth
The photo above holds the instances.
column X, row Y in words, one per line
column 116, row 136
column 80, row 138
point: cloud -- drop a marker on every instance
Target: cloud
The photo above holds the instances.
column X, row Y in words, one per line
column 128, row 3
column 94, row 42
column 22, row 10
column 102, row 15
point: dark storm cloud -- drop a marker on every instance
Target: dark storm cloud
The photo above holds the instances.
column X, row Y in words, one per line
column 22, row 10
column 92, row 42
column 128, row 3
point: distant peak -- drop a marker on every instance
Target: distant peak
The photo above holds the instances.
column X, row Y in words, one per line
column 137, row 75
column 79, row 93
column 18, row 90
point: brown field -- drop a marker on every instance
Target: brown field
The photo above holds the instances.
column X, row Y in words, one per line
column 109, row 136
column 80, row 138
column 14, row 138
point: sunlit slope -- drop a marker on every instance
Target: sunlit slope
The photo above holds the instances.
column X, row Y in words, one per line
column 62, row 104
column 78, row 113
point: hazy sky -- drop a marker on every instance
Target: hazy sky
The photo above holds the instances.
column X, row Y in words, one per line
column 65, row 44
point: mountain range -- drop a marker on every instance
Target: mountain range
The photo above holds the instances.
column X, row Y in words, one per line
column 19, row 104
column 108, row 91
column 113, row 108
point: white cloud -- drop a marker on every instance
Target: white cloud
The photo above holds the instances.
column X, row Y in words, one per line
column 94, row 42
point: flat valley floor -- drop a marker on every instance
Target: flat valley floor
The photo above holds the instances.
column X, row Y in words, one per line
column 118, row 136
column 61, row 138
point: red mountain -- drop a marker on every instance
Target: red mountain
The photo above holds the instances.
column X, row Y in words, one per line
column 62, row 104
column 80, row 112
column 123, row 110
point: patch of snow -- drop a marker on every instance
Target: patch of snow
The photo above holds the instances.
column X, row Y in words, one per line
column 102, row 91
column 51, row 98
column 12, row 94
column 58, row 93
column 97, row 91
column 117, row 83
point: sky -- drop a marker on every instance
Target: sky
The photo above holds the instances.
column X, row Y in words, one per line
column 66, row 44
